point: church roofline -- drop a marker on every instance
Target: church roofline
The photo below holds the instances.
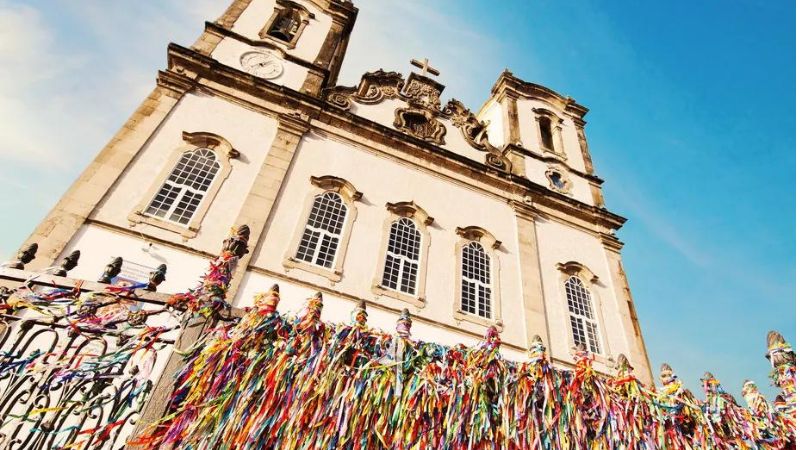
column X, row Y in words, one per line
column 507, row 82
column 187, row 67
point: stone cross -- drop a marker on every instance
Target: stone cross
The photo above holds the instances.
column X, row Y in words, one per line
column 426, row 68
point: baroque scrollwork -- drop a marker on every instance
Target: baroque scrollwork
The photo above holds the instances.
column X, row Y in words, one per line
column 420, row 123
column 473, row 130
column 421, row 117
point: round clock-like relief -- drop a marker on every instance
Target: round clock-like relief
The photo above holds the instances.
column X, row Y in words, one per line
column 262, row 65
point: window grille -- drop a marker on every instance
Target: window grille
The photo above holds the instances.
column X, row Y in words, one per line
column 184, row 189
column 323, row 231
column 476, row 281
column 581, row 315
column 402, row 257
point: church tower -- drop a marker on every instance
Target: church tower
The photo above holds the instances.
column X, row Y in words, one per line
column 384, row 192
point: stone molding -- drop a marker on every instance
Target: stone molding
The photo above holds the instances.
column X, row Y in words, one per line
column 239, row 87
column 422, row 220
column 423, row 95
column 491, row 245
column 224, row 152
column 350, row 195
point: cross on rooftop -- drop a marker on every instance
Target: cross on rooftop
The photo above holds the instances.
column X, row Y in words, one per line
column 426, row 68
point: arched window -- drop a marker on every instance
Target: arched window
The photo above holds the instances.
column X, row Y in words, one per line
column 476, row 280
column 581, row 315
column 402, row 257
column 546, row 132
column 179, row 197
column 323, row 230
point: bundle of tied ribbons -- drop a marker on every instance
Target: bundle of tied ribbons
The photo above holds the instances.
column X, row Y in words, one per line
column 278, row 382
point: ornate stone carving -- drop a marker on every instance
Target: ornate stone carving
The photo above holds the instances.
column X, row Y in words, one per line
column 420, row 123
column 423, row 92
column 498, row 161
column 379, row 85
column 473, row 130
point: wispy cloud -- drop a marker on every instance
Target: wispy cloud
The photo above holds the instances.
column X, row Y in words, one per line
column 388, row 38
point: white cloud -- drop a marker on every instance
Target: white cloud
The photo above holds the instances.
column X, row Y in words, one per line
column 389, row 37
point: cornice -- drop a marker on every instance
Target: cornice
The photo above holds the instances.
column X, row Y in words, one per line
column 215, row 28
column 553, row 160
column 196, row 67
column 508, row 83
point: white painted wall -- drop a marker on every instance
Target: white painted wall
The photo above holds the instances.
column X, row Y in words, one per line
column 249, row 132
column 338, row 309
column 256, row 15
column 559, row 243
column 495, row 114
column 98, row 245
column 382, row 180
column 229, row 52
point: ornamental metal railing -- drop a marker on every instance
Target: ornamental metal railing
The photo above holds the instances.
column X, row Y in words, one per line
column 81, row 362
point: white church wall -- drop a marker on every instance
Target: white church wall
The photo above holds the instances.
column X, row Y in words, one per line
column 529, row 132
column 338, row 308
column 536, row 170
column 249, row 132
column 561, row 243
column 229, row 51
column 258, row 12
column 98, row 245
column 384, row 114
column 494, row 114
column 382, row 180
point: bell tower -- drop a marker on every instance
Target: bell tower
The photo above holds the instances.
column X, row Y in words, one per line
column 298, row 44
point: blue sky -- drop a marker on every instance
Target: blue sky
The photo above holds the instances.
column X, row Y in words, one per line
column 692, row 125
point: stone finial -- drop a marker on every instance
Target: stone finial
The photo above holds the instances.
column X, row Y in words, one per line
column 667, row 375
column 312, row 314
column 157, row 277
column 779, row 352
column 403, row 327
column 537, row 350
column 755, row 401
column 492, row 337
column 236, row 243
column 710, row 383
column 623, row 366
column 267, row 302
column 359, row 315
column 112, row 270
column 24, row 256
column 68, row 263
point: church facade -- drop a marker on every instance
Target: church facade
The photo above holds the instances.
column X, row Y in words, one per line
column 385, row 192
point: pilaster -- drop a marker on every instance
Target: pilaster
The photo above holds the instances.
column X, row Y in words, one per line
column 259, row 202
column 531, row 274
column 627, row 311
column 72, row 210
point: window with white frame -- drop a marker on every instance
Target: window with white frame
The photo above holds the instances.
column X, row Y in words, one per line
column 179, row 197
column 581, row 315
column 402, row 257
column 476, row 280
column 323, row 231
